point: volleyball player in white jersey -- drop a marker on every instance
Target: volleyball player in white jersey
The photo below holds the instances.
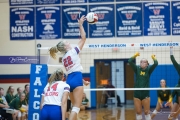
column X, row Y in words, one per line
column 54, row 97
column 71, row 62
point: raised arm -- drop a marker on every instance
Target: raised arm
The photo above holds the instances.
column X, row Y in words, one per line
column 151, row 69
column 82, row 32
column 131, row 63
column 176, row 65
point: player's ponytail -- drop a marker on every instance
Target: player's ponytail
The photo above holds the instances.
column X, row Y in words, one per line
column 58, row 75
column 59, row 47
column 53, row 51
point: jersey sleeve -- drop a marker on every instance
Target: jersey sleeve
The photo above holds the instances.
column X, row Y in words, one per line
column 176, row 65
column 152, row 67
column 76, row 50
column 66, row 88
column 131, row 63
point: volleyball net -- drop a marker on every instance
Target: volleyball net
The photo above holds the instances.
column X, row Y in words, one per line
column 109, row 62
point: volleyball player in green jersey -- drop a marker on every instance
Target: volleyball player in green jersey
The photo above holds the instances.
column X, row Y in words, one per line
column 176, row 107
column 163, row 96
column 141, row 97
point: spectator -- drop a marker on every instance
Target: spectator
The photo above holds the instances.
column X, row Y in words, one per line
column 109, row 94
column 19, row 91
column 85, row 102
column 3, row 105
column 26, row 92
column 17, row 104
column 9, row 94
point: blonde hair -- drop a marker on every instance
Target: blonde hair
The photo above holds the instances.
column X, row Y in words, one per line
column 56, row 76
column 59, row 47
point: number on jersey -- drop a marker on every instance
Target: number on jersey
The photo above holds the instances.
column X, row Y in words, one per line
column 67, row 61
column 54, row 87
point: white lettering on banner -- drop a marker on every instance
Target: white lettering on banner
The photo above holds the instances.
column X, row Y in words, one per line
column 36, row 105
column 132, row 45
column 36, row 93
column 22, row 29
column 176, row 24
column 100, row 8
column 38, row 81
column 35, row 116
column 38, row 68
column 74, row 8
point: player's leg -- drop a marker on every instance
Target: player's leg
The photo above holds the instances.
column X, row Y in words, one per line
column 157, row 109
column 146, row 105
column 138, row 108
column 77, row 97
column 173, row 111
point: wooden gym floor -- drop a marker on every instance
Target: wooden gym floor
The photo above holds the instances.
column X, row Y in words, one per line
column 114, row 113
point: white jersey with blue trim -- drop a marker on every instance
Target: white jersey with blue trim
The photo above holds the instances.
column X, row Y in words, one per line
column 53, row 94
column 72, row 61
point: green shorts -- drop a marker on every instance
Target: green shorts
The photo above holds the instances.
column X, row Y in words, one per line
column 141, row 94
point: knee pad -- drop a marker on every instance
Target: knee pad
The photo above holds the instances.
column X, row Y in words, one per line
column 19, row 114
column 76, row 109
column 170, row 117
column 138, row 117
column 155, row 112
column 148, row 117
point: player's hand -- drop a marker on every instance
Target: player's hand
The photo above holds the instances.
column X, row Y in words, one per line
column 161, row 105
column 86, row 82
column 81, row 20
column 153, row 57
column 6, row 106
column 136, row 54
column 167, row 104
column 41, row 106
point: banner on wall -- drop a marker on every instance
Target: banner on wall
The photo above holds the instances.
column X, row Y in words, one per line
column 23, row 59
column 129, row 19
column 175, row 17
column 43, row 2
column 21, row 2
column 101, row 1
column 156, row 18
column 70, row 23
column 73, row 1
column 38, row 80
column 22, row 23
column 48, row 22
column 105, row 25
column 127, row 0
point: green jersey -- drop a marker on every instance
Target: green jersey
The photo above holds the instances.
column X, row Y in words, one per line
column 16, row 103
column 142, row 75
column 27, row 97
column 142, row 78
column 9, row 97
column 164, row 95
column 176, row 65
column 85, row 101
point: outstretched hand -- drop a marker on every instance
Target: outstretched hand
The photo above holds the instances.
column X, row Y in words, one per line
column 153, row 56
column 136, row 54
column 81, row 20
column 86, row 82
